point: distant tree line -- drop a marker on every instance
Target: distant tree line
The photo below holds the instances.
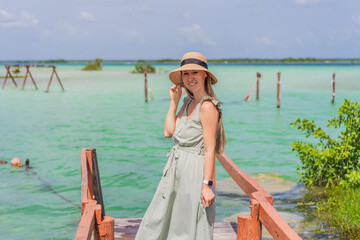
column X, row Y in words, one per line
column 220, row 60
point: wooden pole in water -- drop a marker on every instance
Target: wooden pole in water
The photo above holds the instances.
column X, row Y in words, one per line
column 146, row 91
column 26, row 74
column 51, row 77
column 57, row 76
column 333, row 89
column 32, row 78
column 8, row 73
column 278, row 91
column 257, row 85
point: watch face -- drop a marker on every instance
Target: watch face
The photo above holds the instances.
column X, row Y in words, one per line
column 210, row 183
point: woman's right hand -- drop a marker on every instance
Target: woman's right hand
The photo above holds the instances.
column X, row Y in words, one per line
column 175, row 93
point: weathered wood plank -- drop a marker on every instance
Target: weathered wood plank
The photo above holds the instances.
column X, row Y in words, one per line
column 275, row 224
column 247, row 184
column 84, row 181
column 87, row 222
column 126, row 229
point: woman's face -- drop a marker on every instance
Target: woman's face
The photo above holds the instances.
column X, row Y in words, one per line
column 194, row 79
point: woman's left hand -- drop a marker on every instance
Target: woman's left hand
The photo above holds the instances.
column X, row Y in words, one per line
column 207, row 196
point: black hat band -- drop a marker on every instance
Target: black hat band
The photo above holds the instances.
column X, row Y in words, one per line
column 194, row 61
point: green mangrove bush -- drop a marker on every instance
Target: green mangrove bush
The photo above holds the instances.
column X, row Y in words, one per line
column 330, row 161
column 16, row 71
column 94, row 66
column 141, row 68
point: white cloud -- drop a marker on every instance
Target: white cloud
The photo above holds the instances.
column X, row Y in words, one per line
column 25, row 19
column 68, row 29
column 45, row 33
column 184, row 14
column 131, row 33
column 264, row 40
column 6, row 16
column 356, row 19
column 87, row 17
column 298, row 41
column 306, row 2
column 145, row 8
column 196, row 34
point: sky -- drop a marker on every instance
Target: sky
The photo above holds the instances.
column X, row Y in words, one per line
column 158, row 29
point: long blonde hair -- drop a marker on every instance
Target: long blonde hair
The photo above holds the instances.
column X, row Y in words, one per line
column 220, row 132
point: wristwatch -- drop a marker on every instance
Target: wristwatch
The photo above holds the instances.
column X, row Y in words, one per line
column 208, row 182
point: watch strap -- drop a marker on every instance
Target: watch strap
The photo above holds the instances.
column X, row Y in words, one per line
column 208, row 182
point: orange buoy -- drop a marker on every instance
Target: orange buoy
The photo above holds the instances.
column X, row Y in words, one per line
column 16, row 162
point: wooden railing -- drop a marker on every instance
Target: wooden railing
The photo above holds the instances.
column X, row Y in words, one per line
column 93, row 222
column 262, row 211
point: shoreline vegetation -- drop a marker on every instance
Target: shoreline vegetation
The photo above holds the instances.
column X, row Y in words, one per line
column 334, row 164
column 140, row 67
column 94, row 66
column 176, row 61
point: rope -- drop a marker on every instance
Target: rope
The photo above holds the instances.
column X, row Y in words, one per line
column 47, row 185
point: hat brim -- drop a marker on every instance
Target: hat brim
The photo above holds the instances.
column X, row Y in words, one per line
column 175, row 76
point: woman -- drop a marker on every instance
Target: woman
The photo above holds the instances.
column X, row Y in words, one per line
column 183, row 206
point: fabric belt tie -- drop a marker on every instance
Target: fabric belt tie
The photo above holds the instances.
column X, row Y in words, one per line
column 174, row 153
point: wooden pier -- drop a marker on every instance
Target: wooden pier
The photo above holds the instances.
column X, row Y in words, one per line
column 94, row 224
column 126, row 229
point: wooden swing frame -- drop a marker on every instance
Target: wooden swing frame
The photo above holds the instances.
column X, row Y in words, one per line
column 28, row 73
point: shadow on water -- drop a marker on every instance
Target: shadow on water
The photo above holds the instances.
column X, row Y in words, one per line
column 294, row 202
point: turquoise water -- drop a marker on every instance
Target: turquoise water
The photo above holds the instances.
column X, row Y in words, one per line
column 106, row 110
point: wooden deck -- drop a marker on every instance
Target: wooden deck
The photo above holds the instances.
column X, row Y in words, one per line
column 94, row 222
column 126, row 229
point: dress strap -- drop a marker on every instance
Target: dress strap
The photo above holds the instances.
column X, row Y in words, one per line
column 187, row 100
column 213, row 100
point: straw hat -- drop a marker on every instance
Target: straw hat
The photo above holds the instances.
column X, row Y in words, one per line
column 191, row 61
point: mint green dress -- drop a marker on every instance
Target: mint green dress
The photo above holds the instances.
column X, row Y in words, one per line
column 176, row 211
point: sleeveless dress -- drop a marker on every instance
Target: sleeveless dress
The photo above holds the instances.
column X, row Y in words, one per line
column 176, row 211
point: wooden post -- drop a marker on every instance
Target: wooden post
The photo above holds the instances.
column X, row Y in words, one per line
column 278, row 91
column 97, row 191
column 57, row 76
column 104, row 226
column 258, row 76
column 90, row 174
column 27, row 70
column 84, row 180
column 26, row 74
column 333, row 89
column 87, row 222
column 51, row 77
column 8, row 73
column 146, row 91
column 32, row 77
column 249, row 226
